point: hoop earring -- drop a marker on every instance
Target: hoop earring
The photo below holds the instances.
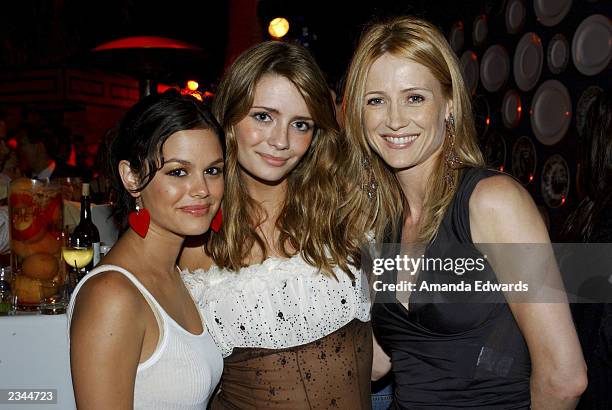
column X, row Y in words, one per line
column 370, row 186
column 451, row 159
column 139, row 220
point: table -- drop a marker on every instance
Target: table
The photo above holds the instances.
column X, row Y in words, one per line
column 34, row 354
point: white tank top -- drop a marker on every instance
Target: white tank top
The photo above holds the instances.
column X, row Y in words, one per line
column 184, row 369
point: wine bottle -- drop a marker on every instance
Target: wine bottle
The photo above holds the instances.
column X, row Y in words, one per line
column 86, row 235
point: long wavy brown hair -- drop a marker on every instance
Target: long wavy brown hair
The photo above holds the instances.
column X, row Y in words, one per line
column 309, row 222
column 417, row 40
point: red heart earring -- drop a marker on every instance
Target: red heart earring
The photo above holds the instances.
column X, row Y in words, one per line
column 217, row 221
column 139, row 221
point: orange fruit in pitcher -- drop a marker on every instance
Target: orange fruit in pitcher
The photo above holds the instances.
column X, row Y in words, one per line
column 21, row 249
column 40, row 266
column 22, row 184
column 21, row 200
column 49, row 243
column 53, row 211
column 49, row 288
column 27, row 290
column 30, row 228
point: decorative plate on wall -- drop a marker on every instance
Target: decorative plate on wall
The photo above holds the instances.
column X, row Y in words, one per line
column 494, row 7
column 480, row 29
column 555, row 181
column 524, row 160
column 512, row 109
column 515, row 16
column 558, row 54
column 528, row 59
column 583, row 105
column 494, row 68
column 482, row 116
column 551, row 112
column 592, row 45
column 456, row 37
column 495, row 151
column 551, row 12
column 469, row 68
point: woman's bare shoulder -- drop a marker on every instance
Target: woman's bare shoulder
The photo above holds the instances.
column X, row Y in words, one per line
column 109, row 299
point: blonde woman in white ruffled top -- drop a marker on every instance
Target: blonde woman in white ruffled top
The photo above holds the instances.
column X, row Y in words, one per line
column 279, row 285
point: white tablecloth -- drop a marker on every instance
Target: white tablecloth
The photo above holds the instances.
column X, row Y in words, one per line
column 34, row 354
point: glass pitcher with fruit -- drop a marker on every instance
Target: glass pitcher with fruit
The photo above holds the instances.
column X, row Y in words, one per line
column 36, row 215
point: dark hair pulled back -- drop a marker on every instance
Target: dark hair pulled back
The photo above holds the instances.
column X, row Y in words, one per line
column 139, row 138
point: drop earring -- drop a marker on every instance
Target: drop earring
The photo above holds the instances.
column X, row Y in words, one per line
column 451, row 159
column 370, row 186
column 139, row 220
column 217, row 221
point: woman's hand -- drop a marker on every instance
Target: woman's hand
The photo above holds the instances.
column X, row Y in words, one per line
column 501, row 211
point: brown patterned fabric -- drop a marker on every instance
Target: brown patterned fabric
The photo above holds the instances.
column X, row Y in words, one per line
column 329, row 373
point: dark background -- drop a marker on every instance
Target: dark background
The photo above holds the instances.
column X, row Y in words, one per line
column 60, row 34
column 43, row 33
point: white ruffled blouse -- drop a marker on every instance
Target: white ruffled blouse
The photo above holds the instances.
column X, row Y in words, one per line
column 277, row 304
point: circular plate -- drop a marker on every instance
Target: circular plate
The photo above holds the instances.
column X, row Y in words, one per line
column 555, row 181
column 524, row 160
column 528, row 58
column 469, row 67
column 592, row 45
column 480, row 29
column 512, row 109
column 557, row 54
column 551, row 12
column 551, row 112
column 494, row 7
column 482, row 116
column 456, row 37
column 583, row 105
column 494, row 68
column 515, row 16
column 495, row 151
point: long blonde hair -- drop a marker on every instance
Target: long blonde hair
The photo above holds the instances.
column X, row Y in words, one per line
column 417, row 40
column 309, row 220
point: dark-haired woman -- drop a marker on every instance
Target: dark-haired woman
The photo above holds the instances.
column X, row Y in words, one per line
column 592, row 222
column 137, row 339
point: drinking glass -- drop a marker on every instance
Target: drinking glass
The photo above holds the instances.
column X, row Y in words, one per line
column 77, row 257
column 36, row 216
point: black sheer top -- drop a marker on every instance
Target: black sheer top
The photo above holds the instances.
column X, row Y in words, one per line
column 447, row 352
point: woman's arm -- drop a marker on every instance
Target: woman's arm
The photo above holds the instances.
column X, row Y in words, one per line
column 381, row 363
column 106, row 335
column 501, row 211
